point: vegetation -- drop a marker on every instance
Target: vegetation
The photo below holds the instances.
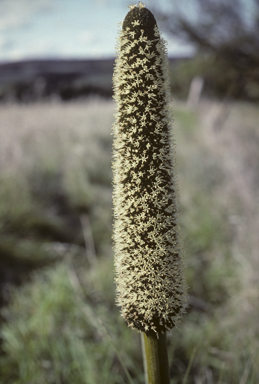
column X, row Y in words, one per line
column 59, row 323
column 225, row 35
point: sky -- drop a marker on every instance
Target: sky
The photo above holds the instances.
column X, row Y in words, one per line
column 79, row 29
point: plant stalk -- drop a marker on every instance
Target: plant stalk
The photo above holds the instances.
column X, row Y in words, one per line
column 156, row 359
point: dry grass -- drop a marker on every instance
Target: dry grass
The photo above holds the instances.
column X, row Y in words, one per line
column 221, row 156
column 34, row 132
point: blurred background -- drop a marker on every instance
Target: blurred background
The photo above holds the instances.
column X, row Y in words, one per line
column 58, row 319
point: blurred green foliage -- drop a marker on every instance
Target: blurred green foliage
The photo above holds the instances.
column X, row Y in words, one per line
column 220, row 80
column 224, row 36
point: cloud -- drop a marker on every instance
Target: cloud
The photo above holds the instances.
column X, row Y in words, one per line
column 87, row 37
column 19, row 13
column 39, row 49
column 3, row 43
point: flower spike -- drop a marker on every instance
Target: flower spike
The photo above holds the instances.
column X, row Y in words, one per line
column 149, row 265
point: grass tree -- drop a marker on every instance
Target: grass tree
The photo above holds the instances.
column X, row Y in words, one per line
column 149, row 265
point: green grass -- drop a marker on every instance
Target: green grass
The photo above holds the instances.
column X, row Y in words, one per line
column 59, row 322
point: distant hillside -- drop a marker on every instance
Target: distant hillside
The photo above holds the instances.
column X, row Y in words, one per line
column 33, row 80
column 36, row 79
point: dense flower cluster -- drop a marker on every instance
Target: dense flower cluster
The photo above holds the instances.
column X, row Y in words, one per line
column 150, row 279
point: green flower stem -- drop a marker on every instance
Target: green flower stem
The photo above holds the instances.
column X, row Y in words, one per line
column 156, row 359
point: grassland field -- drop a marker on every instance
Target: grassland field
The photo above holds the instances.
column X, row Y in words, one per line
column 59, row 323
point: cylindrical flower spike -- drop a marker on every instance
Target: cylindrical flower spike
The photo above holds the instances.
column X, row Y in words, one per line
column 149, row 266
